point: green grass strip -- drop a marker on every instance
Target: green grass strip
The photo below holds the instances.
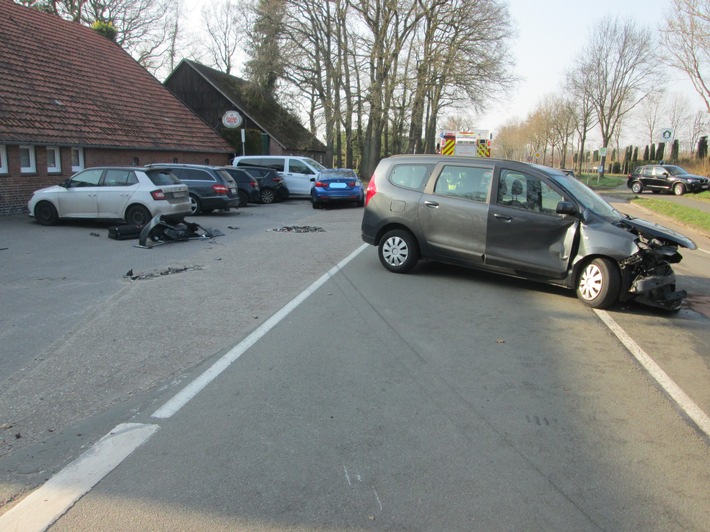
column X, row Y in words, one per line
column 687, row 216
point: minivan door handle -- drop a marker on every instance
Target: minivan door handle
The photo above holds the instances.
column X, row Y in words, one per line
column 432, row 204
column 506, row 219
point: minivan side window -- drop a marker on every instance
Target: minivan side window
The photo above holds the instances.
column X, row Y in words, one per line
column 464, row 182
column 414, row 176
column 525, row 191
column 297, row 167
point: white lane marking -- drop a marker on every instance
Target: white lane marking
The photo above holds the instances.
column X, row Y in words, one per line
column 378, row 498
column 47, row 504
column 196, row 386
column 692, row 410
column 347, row 476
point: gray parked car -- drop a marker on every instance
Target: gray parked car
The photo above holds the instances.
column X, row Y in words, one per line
column 518, row 219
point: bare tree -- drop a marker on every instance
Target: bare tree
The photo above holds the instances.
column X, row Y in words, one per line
column 222, row 21
column 144, row 28
column 686, row 35
column 677, row 113
column 620, row 58
column 651, row 110
column 578, row 79
column 698, row 128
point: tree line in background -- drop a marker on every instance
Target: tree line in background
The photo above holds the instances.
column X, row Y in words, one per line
column 379, row 77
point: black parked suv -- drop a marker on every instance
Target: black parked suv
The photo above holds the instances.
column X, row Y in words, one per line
column 209, row 187
column 249, row 190
column 271, row 184
column 667, row 178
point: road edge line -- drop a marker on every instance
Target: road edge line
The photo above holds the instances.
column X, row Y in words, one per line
column 684, row 402
column 39, row 510
column 199, row 383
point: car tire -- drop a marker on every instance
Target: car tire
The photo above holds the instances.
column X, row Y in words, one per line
column 195, row 207
column 636, row 187
column 267, row 195
column 137, row 215
column 243, row 199
column 598, row 283
column 315, row 203
column 398, row 251
column 46, row 213
column 361, row 202
column 679, row 189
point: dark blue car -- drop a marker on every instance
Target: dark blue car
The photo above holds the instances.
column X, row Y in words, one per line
column 339, row 185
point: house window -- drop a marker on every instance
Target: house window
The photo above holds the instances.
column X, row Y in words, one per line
column 3, row 159
column 77, row 159
column 28, row 165
column 54, row 163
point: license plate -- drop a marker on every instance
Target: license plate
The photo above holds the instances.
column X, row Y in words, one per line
column 338, row 185
column 233, row 190
column 179, row 194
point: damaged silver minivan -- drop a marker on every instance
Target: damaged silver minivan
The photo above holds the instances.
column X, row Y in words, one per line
column 518, row 219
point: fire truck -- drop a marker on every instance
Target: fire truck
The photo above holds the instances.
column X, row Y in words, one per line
column 473, row 143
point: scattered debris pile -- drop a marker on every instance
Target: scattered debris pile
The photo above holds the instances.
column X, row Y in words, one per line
column 299, row 229
column 160, row 273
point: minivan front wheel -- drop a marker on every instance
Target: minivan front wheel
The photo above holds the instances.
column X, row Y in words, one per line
column 599, row 283
column 679, row 189
column 398, row 251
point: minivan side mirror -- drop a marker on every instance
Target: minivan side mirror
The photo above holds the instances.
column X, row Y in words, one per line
column 567, row 207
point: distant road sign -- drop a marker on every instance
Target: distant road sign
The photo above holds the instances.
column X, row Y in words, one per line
column 667, row 134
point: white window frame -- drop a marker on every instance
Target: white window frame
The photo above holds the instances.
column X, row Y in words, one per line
column 32, row 168
column 57, row 168
column 80, row 151
column 4, row 170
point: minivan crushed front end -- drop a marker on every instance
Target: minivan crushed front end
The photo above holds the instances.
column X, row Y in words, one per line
column 647, row 274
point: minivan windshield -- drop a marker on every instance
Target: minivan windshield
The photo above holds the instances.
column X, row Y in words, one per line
column 587, row 197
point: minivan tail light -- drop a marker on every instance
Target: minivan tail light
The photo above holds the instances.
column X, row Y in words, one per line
column 371, row 190
column 221, row 190
column 158, row 194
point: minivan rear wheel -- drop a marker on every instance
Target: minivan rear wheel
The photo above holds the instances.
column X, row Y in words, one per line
column 599, row 283
column 636, row 187
column 398, row 251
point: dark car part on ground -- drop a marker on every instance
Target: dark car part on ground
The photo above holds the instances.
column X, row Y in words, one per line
column 165, row 229
column 665, row 178
column 521, row 220
column 271, row 184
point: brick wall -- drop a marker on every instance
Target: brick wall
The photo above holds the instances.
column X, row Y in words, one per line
column 16, row 188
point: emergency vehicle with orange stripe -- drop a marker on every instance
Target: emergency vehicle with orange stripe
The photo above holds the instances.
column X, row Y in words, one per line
column 473, row 143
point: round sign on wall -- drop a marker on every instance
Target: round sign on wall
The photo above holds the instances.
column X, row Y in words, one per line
column 232, row 119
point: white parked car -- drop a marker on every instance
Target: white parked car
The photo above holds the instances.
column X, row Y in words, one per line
column 135, row 195
column 299, row 173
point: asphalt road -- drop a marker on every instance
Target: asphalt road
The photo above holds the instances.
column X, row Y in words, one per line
column 437, row 400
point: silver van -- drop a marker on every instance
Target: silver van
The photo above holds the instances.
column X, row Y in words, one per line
column 522, row 220
column 299, row 173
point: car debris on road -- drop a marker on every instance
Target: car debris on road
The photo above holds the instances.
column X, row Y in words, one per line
column 166, row 229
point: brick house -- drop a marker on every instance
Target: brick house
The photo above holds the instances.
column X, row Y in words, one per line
column 270, row 129
column 72, row 99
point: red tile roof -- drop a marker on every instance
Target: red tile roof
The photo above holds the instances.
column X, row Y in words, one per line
column 62, row 83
